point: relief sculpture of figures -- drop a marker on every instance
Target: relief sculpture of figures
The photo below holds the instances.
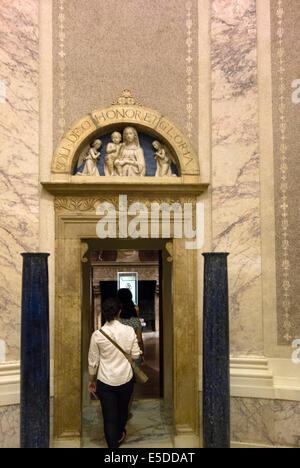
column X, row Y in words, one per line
column 130, row 160
column 125, row 158
column 163, row 160
column 91, row 160
column 112, row 151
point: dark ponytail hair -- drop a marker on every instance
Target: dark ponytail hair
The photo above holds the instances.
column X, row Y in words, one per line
column 128, row 308
column 111, row 308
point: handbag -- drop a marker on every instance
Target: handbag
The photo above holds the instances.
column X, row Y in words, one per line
column 140, row 376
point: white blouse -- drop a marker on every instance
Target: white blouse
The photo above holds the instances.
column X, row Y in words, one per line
column 105, row 360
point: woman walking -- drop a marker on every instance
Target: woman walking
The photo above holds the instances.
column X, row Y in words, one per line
column 129, row 316
column 111, row 375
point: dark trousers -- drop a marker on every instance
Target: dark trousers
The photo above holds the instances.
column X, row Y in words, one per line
column 114, row 402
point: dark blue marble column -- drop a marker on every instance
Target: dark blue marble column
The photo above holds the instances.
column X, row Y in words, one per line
column 35, row 368
column 216, row 382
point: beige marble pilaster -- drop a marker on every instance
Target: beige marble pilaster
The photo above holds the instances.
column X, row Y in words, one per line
column 67, row 378
column 185, row 322
column 19, row 130
column 235, row 166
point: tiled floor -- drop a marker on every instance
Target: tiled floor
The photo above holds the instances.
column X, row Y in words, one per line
column 150, row 426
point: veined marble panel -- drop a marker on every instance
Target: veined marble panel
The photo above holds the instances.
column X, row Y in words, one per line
column 274, row 423
column 252, row 421
column 19, row 123
column 287, row 423
column 10, row 426
column 235, row 166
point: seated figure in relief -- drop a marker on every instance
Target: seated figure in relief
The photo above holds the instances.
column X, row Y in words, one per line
column 112, row 151
column 91, row 159
column 130, row 160
column 163, row 160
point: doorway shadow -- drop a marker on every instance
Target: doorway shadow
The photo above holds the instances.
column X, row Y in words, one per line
column 152, row 389
column 150, row 427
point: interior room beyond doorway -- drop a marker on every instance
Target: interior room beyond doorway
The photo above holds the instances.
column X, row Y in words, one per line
column 141, row 271
column 138, row 271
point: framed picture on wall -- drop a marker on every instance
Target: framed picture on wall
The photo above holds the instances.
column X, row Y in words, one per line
column 129, row 280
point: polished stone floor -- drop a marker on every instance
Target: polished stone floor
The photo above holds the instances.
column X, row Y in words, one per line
column 150, row 426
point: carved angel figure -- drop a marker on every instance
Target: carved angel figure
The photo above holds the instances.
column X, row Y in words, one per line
column 112, row 151
column 163, row 159
column 91, row 159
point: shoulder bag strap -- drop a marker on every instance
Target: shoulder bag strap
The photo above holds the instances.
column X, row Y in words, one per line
column 117, row 346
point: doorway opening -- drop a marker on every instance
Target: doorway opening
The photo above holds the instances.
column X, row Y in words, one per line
column 141, row 267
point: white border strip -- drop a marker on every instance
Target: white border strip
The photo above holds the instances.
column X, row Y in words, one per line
column 263, row 378
column 10, row 383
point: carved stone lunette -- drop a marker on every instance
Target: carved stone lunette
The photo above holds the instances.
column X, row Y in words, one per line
column 124, row 110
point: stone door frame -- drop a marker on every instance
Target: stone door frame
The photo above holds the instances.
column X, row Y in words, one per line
column 76, row 220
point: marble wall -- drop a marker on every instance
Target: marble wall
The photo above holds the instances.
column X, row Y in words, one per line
column 10, row 426
column 235, row 166
column 19, row 129
column 272, row 423
column 265, row 422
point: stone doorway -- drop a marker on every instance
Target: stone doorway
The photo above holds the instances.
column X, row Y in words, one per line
column 75, row 224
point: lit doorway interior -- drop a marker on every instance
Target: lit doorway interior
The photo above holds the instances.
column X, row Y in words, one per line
column 141, row 270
